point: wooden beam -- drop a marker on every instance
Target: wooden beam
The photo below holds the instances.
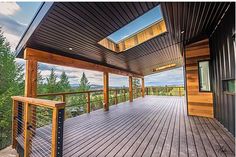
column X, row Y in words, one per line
column 143, row 88
column 31, row 78
column 130, row 89
column 46, row 57
column 106, row 90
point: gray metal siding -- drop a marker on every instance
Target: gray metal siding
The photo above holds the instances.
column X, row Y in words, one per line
column 223, row 61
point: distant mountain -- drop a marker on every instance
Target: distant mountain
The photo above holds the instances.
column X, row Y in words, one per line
column 164, row 84
column 93, row 86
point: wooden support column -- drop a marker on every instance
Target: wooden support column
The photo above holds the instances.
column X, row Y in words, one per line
column 143, row 88
column 130, row 88
column 106, row 91
column 31, row 68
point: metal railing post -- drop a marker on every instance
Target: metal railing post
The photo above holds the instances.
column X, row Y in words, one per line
column 57, row 132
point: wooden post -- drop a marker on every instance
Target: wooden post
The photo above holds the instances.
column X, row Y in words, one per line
column 143, row 88
column 63, row 98
column 57, row 131
column 166, row 90
column 106, row 91
column 124, row 95
column 116, row 99
column 179, row 91
column 14, row 124
column 130, row 89
column 88, row 103
column 27, row 131
column 31, row 78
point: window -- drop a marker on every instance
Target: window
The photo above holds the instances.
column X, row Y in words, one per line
column 204, row 76
column 229, row 85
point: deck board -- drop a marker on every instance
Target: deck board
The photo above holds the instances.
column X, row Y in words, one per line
column 151, row 126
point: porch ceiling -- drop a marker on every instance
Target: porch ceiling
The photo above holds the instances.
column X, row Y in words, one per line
column 60, row 26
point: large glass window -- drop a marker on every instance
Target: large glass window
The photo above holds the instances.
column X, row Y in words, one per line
column 204, row 76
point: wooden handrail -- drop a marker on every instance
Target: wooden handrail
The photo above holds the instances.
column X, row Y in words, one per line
column 80, row 92
column 39, row 102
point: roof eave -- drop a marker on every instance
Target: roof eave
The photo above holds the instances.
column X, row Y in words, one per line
column 40, row 14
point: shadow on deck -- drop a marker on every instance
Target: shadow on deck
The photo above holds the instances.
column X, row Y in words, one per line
column 150, row 126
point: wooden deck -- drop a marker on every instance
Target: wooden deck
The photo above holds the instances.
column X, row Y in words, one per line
column 150, row 126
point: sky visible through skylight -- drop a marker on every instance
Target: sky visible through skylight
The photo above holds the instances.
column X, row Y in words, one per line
column 138, row 24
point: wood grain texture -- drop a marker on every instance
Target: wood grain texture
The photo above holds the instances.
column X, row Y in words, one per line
column 130, row 89
column 39, row 102
column 199, row 103
column 106, row 91
column 31, row 68
column 47, row 57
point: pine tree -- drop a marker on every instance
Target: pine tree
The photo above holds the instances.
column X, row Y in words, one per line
column 11, row 83
column 40, row 83
column 51, row 84
column 136, row 83
column 84, row 83
column 64, row 84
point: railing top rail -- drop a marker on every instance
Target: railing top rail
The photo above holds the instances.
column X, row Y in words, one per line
column 81, row 92
column 40, row 102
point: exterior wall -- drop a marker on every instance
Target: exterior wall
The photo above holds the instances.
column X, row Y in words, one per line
column 199, row 103
column 223, row 60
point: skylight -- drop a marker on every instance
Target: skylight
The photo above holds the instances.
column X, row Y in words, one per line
column 145, row 27
column 138, row 24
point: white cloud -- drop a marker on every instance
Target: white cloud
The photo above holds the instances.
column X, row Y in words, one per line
column 9, row 8
column 171, row 77
column 12, row 39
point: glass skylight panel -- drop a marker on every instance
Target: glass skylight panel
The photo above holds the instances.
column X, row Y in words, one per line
column 145, row 27
column 138, row 24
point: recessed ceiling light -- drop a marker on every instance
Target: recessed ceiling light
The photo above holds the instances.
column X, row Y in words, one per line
column 70, row 49
column 182, row 32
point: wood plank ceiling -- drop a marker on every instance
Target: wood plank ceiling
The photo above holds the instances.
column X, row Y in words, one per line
column 81, row 25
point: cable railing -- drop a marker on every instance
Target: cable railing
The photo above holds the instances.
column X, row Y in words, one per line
column 81, row 102
column 165, row 91
column 37, row 126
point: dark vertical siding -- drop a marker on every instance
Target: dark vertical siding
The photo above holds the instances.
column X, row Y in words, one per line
column 223, row 61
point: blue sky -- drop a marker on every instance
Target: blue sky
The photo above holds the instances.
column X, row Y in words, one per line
column 15, row 17
column 141, row 22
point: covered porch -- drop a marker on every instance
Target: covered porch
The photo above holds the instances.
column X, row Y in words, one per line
column 77, row 35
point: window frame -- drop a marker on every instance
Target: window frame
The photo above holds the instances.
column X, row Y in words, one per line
column 210, row 76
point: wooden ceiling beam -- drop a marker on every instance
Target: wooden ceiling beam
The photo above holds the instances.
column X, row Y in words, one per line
column 51, row 58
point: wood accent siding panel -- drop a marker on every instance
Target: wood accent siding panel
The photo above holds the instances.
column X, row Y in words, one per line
column 223, row 60
column 199, row 103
